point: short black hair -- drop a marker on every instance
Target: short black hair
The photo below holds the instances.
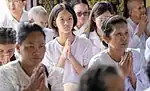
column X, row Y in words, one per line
column 56, row 10
column 7, row 35
column 25, row 28
column 94, row 78
column 75, row 2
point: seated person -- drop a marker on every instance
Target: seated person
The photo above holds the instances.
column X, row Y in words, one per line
column 7, row 45
column 39, row 16
column 101, row 78
column 115, row 34
column 27, row 73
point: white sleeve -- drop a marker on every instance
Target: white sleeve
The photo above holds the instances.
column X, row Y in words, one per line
column 147, row 50
column 134, row 40
column 5, row 83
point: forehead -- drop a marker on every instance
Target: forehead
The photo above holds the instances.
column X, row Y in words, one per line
column 7, row 46
column 81, row 7
column 64, row 13
column 138, row 3
column 105, row 14
column 37, row 37
column 121, row 27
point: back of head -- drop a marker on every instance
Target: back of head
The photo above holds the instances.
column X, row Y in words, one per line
column 37, row 11
column 7, row 35
column 94, row 78
column 25, row 28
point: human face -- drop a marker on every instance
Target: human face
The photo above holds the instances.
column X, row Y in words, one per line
column 118, row 39
column 41, row 21
column 64, row 22
column 138, row 10
column 32, row 49
column 6, row 51
column 15, row 6
column 82, row 13
column 100, row 19
column 119, row 82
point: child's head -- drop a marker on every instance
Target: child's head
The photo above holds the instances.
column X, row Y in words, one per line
column 38, row 15
column 7, row 43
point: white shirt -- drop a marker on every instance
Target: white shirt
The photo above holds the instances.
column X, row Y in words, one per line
column 138, row 68
column 80, row 49
column 97, row 45
column 50, row 34
column 12, row 77
column 79, row 31
column 134, row 40
column 9, row 21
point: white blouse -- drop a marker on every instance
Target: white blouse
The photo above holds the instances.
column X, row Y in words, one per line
column 80, row 49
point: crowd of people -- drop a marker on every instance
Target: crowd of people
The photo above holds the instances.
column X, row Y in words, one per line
column 75, row 48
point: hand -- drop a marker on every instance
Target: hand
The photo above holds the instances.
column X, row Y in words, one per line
column 143, row 24
column 6, row 60
column 37, row 79
column 126, row 63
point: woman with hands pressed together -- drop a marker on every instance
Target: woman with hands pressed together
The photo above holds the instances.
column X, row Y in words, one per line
column 26, row 73
column 130, row 61
column 67, row 55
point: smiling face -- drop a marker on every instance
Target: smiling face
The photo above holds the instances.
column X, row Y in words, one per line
column 64, row 22
column 118, row 39
column 32, row 49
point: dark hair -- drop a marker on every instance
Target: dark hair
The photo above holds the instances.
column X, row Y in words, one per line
column 148, row 70
column 75, row 2
column 7, row 35
column 56, row 10
column 108, row 25
column 98, row 9
column 25, row 28
column 94, row 78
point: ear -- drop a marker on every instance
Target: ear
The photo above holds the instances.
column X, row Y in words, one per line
column 105, row 38
column 18, row 48
column 25, row 3
column 93, row 18
column 54, row 23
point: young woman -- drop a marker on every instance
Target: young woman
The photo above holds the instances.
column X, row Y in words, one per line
column 67, row 55
column 81, row 8
column 99, row 12
column 27, row 73
column 115, row 34
column 7, row 45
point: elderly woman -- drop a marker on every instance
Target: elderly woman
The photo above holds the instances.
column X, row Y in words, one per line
column 27, row 73
column 115, row 34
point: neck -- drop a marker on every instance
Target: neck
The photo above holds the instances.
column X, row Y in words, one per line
column 64, row 36
column 17, row 16
column 27, row 69
column 135, row 20
column 115, row 54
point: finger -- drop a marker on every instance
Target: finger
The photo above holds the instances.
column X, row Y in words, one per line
column 124, row 58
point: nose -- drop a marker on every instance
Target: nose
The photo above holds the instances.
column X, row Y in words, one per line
column 36, row 52
column 66, row 23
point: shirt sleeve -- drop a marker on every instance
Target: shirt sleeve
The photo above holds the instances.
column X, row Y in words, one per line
column 142, row 81
column 55, row 73
column 134, row 40
column 5, row 83
column 147, row 50
column 87, row 54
